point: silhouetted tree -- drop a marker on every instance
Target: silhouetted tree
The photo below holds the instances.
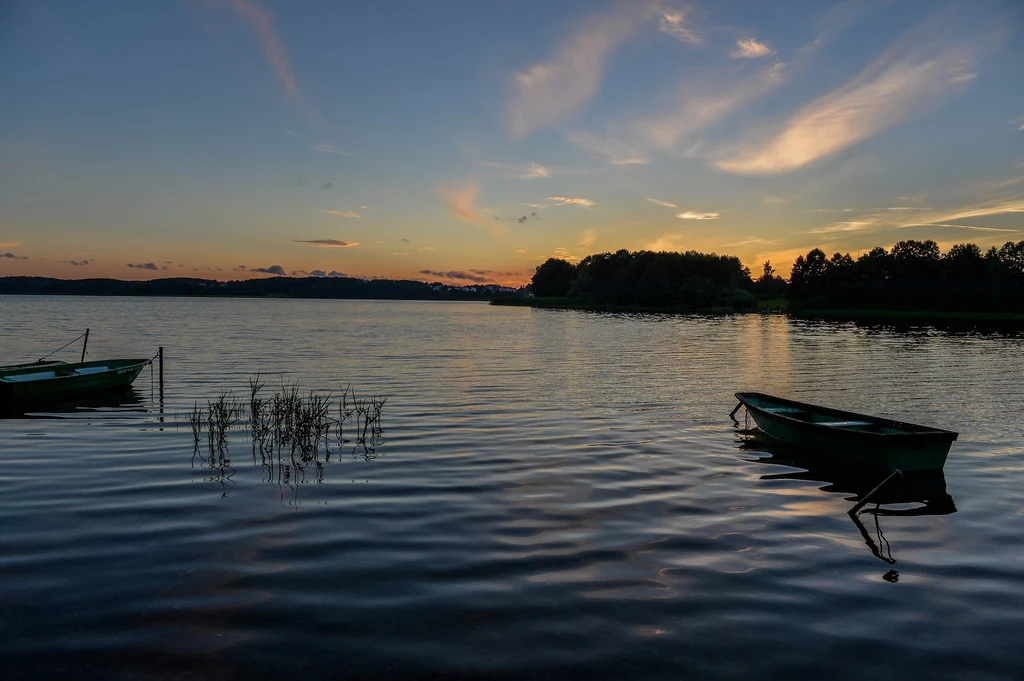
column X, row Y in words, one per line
column 553, row 278
column 913, row 275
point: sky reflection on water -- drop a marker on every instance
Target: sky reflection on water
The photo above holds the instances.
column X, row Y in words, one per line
column 554, row 493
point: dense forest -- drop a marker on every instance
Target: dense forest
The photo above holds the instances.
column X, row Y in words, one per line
column 913, row 275
column 282, row 287
column 646, row 279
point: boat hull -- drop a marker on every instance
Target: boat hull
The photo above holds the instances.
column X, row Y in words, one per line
column 37, row 387
column 869, row 442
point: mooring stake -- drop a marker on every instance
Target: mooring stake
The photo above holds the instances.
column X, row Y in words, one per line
column 85, row 345
column 732, row 414
column 867, row 497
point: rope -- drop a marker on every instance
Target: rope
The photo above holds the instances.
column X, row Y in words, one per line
column 61, row 348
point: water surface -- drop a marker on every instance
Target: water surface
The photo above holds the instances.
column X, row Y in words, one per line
column 556, row 493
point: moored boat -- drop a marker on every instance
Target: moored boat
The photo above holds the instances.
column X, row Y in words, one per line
column 5, row 368
column 38, row 385
column 848, row 437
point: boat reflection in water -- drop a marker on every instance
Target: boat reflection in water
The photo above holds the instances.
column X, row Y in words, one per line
column 916, row 493
column 127, row 400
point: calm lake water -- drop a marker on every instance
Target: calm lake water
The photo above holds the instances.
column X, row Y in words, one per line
column 555, row 494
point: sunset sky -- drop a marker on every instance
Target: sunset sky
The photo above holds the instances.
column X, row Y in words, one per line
column 468, row 141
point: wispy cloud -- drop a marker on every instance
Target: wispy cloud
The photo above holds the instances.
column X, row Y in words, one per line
column 522, row 250
column 461, row 202
column 340, row 213
column 521, row 219
column 691, row 215
column 76, row 263
column 145, row 266
column 326, row 243
column 615, row 151
column 666, row 242
column 273, row 269
column 272, row 46
column 707, row 102
column 523, row 171
column 12, row 256
column 748, row 240
column 662, row 203
column 902, row 84
column 587, row 238
column 327, row 185
column 456, row 275
column 848, row 226
column 9, row 244
column 571, row 201
column 996, row 207
column 550, row 91
column 750, row 49
column 674, row 24
column 329, row 149
column 971, row 227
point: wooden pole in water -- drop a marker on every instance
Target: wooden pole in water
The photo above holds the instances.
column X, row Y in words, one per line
column 867, row 497
column 85, row 345
column 161, row 354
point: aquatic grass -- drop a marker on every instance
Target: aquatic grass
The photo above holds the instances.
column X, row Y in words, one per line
column 290, row 422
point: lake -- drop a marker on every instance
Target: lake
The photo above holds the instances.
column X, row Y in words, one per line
column 553, row 494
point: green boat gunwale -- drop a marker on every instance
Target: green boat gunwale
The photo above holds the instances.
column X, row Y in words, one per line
column 65, row 370
column 911, row 432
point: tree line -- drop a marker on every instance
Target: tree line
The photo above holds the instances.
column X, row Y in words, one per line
column 646, row 279
column 913, row 275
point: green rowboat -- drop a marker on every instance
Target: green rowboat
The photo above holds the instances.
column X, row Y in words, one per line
column 847, row 437
column 46, row 363
column 37, row 386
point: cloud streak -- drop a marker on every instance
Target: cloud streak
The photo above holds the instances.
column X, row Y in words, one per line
column 750, row 49
column 328, row 149
column 457, row 275
column 675, row 25
column 614, row 150
column 571, row 201
column 896, row 88
column 666, row 204
column 273, row 269
column 145, row 266
column 273, row 47
column 326, row 243
column 340, row 213
column 523, row 171
column 12, row 256
column 550, row 91
column 461, row 202
column 692, row 215
column 706, row 103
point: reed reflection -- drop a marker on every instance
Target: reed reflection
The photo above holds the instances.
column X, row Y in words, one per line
column 917, row 493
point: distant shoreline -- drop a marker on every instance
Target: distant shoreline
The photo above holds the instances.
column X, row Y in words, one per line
column 922, row 316
column 565, row 304
column 337, row 288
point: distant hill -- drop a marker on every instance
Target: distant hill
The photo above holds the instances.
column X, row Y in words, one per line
column 276, row 287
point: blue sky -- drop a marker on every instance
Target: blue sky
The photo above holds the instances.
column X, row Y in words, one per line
column 469, row 141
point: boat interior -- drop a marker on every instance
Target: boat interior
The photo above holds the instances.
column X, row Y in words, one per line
column 820, row 418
